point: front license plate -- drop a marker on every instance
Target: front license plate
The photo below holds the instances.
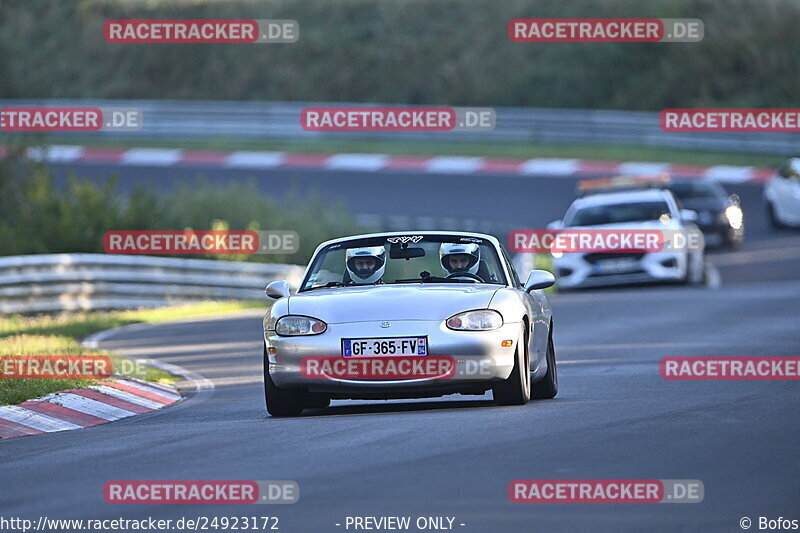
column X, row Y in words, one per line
column 615, row 266
column 385, row 346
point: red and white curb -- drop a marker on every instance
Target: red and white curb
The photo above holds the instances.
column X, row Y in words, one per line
column 102, row 402
column 538, row 167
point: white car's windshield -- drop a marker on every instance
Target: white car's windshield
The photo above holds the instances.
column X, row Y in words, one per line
column 405, row 259
column 618, row 213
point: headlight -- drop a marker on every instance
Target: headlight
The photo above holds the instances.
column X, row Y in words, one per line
column 483, row 320
column 735, row 216
column 293, row 325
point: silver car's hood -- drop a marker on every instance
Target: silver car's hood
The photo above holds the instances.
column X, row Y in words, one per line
column 391, row 302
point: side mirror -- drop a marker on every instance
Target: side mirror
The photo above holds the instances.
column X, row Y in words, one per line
column 688, row 215
column 277, row 289
column 539, row 279
column 556, row 224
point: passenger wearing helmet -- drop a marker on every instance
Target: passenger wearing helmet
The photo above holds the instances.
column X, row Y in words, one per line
column 365, row 265
column 463, row 257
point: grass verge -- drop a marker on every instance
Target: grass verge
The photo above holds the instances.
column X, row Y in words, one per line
column 61, row 334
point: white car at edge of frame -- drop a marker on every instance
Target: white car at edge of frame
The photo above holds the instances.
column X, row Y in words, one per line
column 481, row 317
column 782, row 195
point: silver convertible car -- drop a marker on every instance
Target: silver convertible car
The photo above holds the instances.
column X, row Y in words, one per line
column 408, row 315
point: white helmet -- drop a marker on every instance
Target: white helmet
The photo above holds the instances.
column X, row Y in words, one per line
column 363, row 277
column 449, row 249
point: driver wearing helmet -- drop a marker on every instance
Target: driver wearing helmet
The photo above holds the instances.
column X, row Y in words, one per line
column 365, row 265
column 463, row 257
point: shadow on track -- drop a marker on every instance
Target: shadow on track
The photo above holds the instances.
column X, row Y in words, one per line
column 396, row 408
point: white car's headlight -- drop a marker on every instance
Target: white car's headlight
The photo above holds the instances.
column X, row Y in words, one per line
column 295, row 325
column 735, row 216
column 482, row 320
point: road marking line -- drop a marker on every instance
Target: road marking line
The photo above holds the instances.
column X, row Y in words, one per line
column 151, row 156
column 56, row 154
column 166, row 394
column 454, row 165
column 56, row 410
column 643, row 167
column 729, row 174
column 253, row 160
column 381, row 162
column 127, row 396
column 112, row 400
column 9, row 429
column 362, row 162
column 556, row 167
column 138, row 392
column 89, row 406
column 35, row 420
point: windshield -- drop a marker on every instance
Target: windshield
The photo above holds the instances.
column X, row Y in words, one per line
column 618, row 213
column 407, row 259
column 697, row 189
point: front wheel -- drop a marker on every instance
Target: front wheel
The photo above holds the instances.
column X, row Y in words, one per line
column 316, row 401
column 773, row 216
column 516, row 389
column 697, row 266
column 280, row 402
column 547, row 387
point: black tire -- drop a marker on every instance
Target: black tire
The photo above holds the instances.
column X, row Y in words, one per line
column 733, row 240
column 280, row 402
column 316, row 401
column 773, row 217
column 547, row 387
column 698, row 278
column 516, row 389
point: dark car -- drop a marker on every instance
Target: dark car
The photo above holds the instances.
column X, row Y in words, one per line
column 719, row 215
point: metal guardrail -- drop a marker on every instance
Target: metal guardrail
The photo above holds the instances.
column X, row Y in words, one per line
column 70, row 282
column 281, row 120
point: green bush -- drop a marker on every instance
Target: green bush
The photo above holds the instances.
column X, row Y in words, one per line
column 37, row 217
column 449, row 52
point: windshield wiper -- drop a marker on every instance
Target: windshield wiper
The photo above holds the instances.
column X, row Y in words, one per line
column 327, row 286
column 432, row 279
column 338, row 284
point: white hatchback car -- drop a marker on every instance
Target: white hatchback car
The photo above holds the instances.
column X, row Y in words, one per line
column 651, row 209
column 782, row 194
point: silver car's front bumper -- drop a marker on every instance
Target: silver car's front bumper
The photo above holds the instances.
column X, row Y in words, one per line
column 479, row 356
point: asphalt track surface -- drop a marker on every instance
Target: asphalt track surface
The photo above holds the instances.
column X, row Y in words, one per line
column 614, row 417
